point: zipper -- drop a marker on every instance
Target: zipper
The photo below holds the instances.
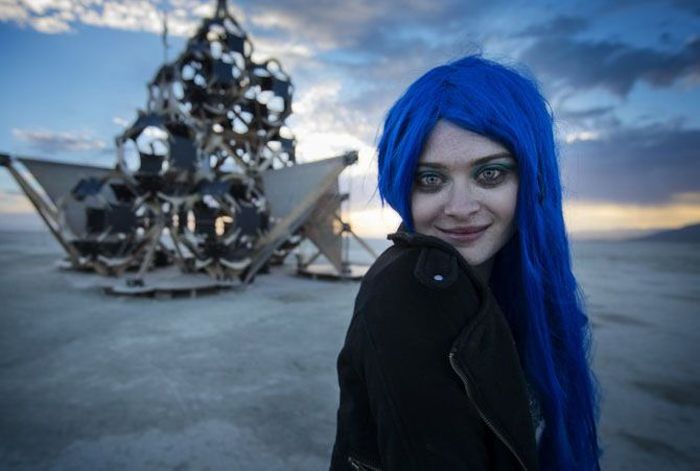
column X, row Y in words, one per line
column 360, row 466
column 463, row 377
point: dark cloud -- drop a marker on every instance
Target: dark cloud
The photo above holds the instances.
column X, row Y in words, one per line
column 634, row 165
column 560, row 26
column 689, row 5
column 381, row 33
column 616, row 66
column 585, row 114
column 346, row 21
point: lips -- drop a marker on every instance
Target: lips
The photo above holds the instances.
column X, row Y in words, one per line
column 463, row 230
column 462, row 235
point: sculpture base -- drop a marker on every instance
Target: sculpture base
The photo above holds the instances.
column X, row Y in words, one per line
column 326, row 271
column 163, row 284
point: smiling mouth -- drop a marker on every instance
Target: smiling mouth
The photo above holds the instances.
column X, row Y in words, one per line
column 464, row 230
column 463, row 235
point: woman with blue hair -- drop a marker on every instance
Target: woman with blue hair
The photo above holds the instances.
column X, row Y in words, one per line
column 468, row 346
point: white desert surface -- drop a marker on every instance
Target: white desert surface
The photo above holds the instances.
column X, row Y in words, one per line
column 246, row 380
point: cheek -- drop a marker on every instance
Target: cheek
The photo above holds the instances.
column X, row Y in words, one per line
column 506, row 203
column 499, row 202
column 425, row 207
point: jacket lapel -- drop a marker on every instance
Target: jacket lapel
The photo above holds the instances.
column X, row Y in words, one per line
column 485, row 352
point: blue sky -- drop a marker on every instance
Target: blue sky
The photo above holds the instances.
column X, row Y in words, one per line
column 623, row 79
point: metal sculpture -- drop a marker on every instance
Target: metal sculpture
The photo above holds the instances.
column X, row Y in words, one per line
column 205, row 175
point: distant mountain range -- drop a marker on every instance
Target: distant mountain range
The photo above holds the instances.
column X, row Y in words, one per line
column 684, row 234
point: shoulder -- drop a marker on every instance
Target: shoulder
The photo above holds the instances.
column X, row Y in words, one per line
column 411, row 270
column 413, row 289
column 424, row 267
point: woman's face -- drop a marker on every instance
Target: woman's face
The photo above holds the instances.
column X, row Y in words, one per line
column 465, row 192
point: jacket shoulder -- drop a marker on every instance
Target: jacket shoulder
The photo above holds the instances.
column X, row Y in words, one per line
column 409, row 284
column 432, row 267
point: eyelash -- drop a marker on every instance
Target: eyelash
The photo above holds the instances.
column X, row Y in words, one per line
column 491, row 182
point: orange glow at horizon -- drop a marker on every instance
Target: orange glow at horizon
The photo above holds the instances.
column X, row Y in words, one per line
column 604, row 216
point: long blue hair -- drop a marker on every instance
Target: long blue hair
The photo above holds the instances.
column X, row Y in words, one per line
column 531, row 278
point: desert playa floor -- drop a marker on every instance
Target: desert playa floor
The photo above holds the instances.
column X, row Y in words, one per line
column 245, row 380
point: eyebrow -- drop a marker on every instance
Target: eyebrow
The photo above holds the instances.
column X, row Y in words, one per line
column 479, row 161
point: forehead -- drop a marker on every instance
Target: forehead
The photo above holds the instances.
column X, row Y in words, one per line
column 448, row 143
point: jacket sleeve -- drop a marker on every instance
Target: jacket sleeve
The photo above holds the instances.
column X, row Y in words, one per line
column 356, row 431
column 424, row 420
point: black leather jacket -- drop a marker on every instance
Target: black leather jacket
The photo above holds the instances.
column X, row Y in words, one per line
column 429, row 375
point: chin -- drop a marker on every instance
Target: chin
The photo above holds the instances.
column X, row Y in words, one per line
column 472, row 260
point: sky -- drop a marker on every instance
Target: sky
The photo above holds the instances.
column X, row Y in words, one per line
column 622, row 78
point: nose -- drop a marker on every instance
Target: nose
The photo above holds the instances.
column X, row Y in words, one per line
column 462, row 201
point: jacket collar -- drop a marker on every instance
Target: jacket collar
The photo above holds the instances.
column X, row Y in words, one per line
column 403, row 236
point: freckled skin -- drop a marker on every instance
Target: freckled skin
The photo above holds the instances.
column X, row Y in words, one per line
column 453, row 191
